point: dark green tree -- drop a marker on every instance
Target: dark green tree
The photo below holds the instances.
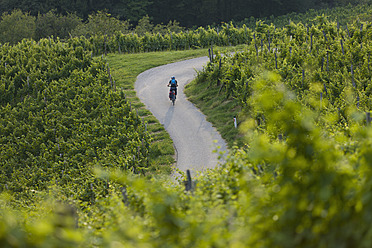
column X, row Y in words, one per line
column 132, row 10
column 101, row 23
column 16, row 26
column 56, row 25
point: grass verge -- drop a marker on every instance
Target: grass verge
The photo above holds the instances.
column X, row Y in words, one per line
column 218, row 110
column 125, row 68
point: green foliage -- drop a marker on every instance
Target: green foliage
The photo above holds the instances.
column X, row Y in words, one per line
column 303, row 191
column 344, row 13
column 52, row 24
column 326, row 66
column 303, row 179
column 101, row 23
column 60, row 115
column 300, row 176
column 144, row 25
column 170, row 40
column 132, row 10
column 172, row 26
column 311, row 184
column 16, row 26
column 105, row 33
column 189, row 13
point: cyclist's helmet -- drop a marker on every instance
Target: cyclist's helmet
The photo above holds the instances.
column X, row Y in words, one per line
column 173, row 77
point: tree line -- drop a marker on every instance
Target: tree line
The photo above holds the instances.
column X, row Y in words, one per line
column 19, row 25
column 188, row 13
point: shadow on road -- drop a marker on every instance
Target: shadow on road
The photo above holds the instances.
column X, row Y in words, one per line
column 168, row 116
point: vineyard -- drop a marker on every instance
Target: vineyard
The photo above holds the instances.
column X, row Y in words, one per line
column 60, row 116
column 326, row 67
column 73, row 149
column 226, row 34
column 341, row 15
column 305, row 99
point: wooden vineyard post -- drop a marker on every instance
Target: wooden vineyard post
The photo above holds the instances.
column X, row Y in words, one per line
column 92, row 196
column 188, row 182
column 361, row 33
column 105, row 45
column 109, row 73
column 268, row 40
column 125, row 195
column 212, row 53
column 255, row 45
column 352, row 76
column 276, row 61
column 171, row 45
column 219, row 73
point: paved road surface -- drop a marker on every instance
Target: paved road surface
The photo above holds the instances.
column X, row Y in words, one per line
column 192, row 135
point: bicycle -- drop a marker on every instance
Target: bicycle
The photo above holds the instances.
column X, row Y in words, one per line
column 172, row 95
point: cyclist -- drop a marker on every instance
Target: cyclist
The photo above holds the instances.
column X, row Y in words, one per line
column 173, row 84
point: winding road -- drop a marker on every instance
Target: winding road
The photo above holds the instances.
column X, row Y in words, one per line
column 195, row 139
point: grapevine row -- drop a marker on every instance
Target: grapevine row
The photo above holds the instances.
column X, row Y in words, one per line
column 60, row 117
column 323, row 61
column 227, row 35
